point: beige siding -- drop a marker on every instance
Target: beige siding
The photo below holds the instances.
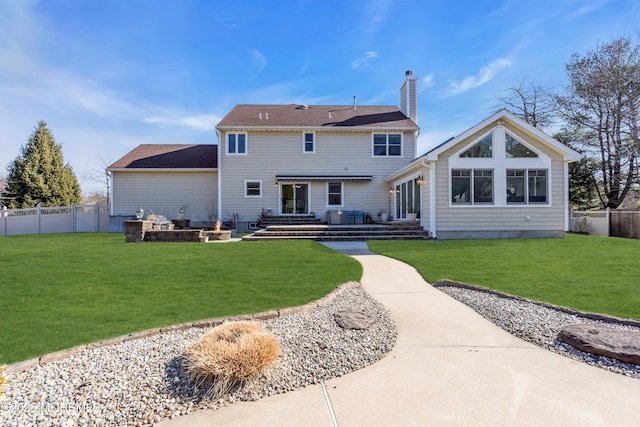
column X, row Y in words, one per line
column 165, row 192
column 281, row 153
column 501, row 218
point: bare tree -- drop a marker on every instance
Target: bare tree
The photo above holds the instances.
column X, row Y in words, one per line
column 531, row 102
column 103, row 177
column 601, row 105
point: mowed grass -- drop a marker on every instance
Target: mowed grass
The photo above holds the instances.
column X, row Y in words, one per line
column 593, row 274
column 62, row 290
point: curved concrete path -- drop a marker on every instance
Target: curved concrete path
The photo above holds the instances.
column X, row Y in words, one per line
column 450, row 367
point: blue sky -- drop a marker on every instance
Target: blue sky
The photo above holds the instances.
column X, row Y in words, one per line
column 109, row 75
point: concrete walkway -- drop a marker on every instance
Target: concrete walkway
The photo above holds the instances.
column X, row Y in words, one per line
column 450, row 367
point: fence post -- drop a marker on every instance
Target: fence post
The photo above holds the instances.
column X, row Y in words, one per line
column 39, row 219
column 609, row 221
column 97, row 216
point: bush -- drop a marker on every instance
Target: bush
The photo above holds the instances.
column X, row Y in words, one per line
column 230, row 355
column 3, row 380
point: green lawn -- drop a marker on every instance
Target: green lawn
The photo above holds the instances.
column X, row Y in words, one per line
column 61, row 290
column 593, row 274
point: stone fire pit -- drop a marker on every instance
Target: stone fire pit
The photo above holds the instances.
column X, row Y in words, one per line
column 146, row 231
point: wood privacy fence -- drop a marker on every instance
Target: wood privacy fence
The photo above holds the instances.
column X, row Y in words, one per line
column 614, row 223
column 625, row 224
column 61, row 219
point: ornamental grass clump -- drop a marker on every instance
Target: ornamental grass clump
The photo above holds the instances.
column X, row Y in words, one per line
column 3, row 380
column 230, row 355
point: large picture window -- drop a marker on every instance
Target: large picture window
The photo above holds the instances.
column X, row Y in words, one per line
column 471, row 186
column 537, row 186
column 236, row 143
column 387, row 144
column 527, row 186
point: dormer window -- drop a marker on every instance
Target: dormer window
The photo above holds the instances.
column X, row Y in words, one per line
column 516, row 149
column 483, row 148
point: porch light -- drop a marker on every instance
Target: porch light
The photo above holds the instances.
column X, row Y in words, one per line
column 420, row 180
column 391, row 190
column 276, row 185
column 139, row 213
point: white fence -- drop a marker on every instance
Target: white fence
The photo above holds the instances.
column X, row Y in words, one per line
column 595, row 223
column 62, row 219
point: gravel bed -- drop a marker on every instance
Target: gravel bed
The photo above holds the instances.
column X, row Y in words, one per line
column 537, row 324
column 141, row 382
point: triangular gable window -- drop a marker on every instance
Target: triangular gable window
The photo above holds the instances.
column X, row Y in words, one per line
column 514, row 148
column 484, row 148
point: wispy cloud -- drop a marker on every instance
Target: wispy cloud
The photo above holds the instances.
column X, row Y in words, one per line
column 366, row 60
column 203, row 122
column 485, row 75
column 426, row 82
column 259, row 62
column 377, row 12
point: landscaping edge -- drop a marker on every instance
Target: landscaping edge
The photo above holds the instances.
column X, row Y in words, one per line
column 206, row 323
column 592, row 316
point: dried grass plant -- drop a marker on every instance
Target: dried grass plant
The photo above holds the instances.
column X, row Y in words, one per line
column 3, row 380
column 228, row 356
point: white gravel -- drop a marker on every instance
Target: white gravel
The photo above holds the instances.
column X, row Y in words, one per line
column 141, row 382
column 537, row 324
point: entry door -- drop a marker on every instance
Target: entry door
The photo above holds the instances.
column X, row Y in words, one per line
column 295, row 199
column 407, row 199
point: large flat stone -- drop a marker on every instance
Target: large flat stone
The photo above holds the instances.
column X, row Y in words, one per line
column 603, row 340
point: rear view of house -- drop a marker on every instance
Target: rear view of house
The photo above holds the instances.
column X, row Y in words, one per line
column 500, row 178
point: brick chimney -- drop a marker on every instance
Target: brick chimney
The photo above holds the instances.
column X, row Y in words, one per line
column 408, row 96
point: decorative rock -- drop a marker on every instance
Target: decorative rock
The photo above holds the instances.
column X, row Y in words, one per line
column 351, row 319
column 603, row 340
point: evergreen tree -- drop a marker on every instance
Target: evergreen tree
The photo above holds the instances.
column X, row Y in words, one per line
column 39, row 175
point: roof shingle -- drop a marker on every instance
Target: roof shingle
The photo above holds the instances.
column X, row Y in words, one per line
column 169, row 156
column 316, row 116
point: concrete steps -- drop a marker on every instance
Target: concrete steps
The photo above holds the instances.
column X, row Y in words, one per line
column 401, row 231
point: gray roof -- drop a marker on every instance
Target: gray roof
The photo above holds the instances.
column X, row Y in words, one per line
column 169, row 156
column 316, row 116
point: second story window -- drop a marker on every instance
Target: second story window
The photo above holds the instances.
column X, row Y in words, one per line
column 236, row 143
column 309, row 142
column 387, row 144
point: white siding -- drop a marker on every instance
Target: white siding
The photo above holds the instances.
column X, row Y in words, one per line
column 337, row 153
column 165, row 192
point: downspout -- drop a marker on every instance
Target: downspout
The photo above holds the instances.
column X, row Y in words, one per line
column 566, row 196
column 432, row 197
column 220, row 148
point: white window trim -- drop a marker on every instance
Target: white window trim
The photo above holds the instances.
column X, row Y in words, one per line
column 304, row 142
column 246, row 144
column 500, row 164
column 457, row 154
column 341, row 195
column 248, row 196
column 520, row 140
column 387, row 156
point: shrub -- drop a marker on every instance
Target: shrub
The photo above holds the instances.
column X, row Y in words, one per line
column 3, row 380
column 230, row 355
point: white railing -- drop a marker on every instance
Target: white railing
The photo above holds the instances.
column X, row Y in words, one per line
column 595, row 223
column 59, row 219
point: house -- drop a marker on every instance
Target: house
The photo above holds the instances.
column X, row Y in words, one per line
column 500, row 178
